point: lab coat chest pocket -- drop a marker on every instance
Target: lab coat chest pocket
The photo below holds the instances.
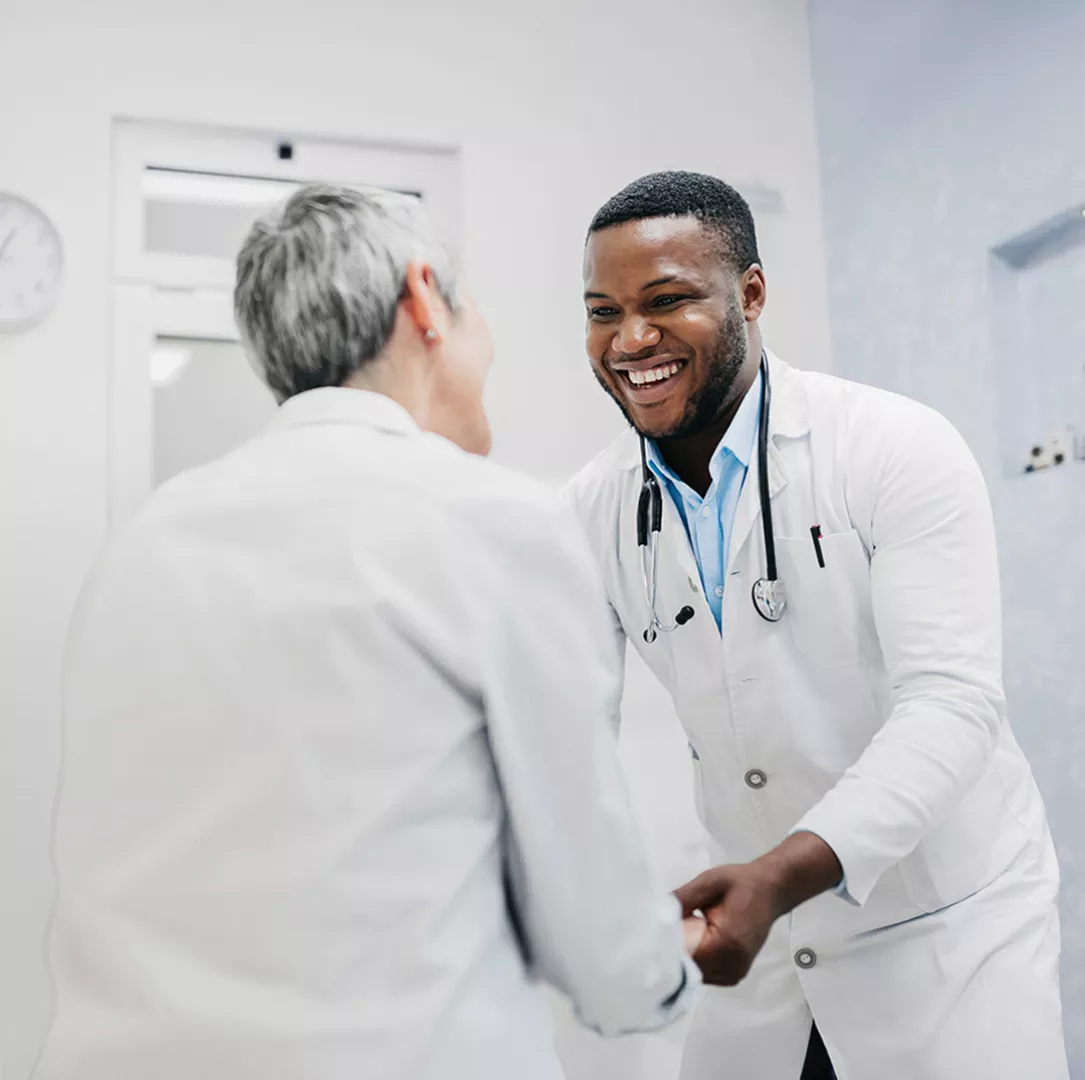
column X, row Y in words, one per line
column 825, row 603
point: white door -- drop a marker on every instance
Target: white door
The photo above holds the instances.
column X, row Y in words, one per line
column 182, row 392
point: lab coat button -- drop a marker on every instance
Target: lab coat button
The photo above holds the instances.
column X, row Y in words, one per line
column 806, row 958
column 756, row 779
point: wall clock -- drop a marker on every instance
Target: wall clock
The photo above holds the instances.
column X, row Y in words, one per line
column 31, row 264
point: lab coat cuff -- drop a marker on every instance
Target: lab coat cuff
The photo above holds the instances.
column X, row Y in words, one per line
column 668, row 1008
column 854, row 887
column 686, row 991
column 681, row 1002
column 682, row 996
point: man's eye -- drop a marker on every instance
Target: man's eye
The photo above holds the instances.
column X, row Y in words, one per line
column 602, row 313
column 668, row 301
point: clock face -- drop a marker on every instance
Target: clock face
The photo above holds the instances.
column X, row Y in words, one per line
column 31, row 261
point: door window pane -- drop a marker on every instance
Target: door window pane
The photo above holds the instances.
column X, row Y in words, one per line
column 207, row 401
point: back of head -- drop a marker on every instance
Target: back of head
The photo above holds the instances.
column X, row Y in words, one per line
column 718, row 206
column 320, row 278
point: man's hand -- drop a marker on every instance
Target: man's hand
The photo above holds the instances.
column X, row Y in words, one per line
column 739, row 907
column 740, row 903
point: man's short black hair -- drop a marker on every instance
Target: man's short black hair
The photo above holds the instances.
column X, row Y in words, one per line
column 679, row 194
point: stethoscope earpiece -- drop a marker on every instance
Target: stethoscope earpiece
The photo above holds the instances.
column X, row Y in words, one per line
column 769, row 594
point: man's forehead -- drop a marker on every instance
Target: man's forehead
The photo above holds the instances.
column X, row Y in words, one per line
column 678, row 244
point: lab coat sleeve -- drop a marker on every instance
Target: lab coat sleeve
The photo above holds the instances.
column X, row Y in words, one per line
column 574, row 499
column 595, row 924
column 935, row 595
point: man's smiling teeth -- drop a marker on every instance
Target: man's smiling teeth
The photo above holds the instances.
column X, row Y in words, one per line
column 653, row 375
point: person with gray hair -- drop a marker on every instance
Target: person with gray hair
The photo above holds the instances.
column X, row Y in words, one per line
column 338, row 783
column 322, row 286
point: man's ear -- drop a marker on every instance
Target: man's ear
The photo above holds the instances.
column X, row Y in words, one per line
column 753, row 290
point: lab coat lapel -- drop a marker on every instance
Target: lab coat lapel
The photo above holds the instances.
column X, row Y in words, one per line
column 788, row 418
column 748, row 512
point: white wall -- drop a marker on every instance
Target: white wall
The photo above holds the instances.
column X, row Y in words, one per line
column 555, row 106
column 947, row 130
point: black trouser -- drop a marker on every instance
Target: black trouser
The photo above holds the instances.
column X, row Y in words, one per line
column 817, row 1065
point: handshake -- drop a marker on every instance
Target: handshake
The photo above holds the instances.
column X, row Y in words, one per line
column 727, row 912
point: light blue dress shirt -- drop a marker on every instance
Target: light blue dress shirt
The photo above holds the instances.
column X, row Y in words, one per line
column 709, row 520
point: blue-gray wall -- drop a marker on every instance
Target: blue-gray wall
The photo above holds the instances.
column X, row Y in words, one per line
column 947, row 128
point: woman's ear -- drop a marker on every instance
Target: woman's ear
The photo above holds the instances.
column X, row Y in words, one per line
column 423, row 302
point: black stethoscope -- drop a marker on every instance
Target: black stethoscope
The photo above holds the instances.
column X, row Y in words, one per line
column 769, row 594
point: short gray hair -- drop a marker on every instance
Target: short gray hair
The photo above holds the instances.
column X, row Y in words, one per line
column 320, row 278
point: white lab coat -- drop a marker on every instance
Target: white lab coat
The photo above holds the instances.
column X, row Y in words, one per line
column 320, row 698
column 872, row 715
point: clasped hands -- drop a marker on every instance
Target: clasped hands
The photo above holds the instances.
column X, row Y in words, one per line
column 728, row 910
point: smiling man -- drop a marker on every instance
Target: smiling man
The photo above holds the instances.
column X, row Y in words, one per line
column 809, row 567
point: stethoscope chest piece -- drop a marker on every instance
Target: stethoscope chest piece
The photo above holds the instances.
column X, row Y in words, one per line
column 770, row 599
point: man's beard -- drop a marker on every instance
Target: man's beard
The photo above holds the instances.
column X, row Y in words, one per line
column 706, row 403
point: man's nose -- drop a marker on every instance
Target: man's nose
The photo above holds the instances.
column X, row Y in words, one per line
column 635, row 335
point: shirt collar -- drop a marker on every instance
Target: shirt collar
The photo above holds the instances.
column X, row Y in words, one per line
column 345, row 405
column 738, row 440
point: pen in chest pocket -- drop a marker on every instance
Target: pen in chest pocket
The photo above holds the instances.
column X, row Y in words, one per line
column 815, row 535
